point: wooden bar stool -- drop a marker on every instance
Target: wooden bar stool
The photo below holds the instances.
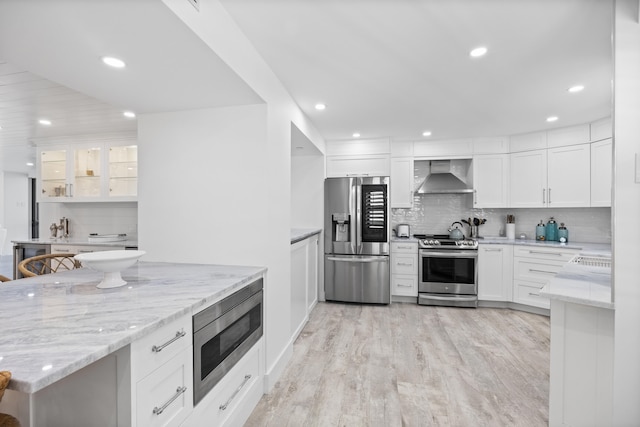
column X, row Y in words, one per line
column 48, row 263
column 6, row 420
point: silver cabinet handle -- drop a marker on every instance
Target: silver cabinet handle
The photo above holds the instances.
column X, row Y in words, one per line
column 549, row 198
column 179, row 391
column 541, row 271
column 406, row 264
column 235, row 393
column 62, row 250
column 158, row 348
column 404, row 286
column 492, row 249
column 532, row 294
column 544, row 194
column 404, row 247
column 475, row 196
column 545, row 253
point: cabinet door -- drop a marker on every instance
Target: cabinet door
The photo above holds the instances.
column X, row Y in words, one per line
column 342, row 166
column 569, row 176
column 528, row 179
column 312, row 272
column 601, row 171
column 53, row 171
column 87, row 172
column 402, row 182
column 123, row 171
column 495, row 272
column 490, row 179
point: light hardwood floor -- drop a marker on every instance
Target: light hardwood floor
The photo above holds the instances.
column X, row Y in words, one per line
column 410, row 365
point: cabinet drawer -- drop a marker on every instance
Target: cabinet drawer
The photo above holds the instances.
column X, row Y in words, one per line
column 529, row 294
column 165, row 397
column 552, row 254
column 404, row 264
column 228, row 395
column 151, row 351
column 404, row 285
column 535, row 271
column 404, row 247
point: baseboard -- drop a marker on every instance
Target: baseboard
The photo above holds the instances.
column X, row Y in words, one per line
column 404, row 299
column 274, row 372
column 515, row 306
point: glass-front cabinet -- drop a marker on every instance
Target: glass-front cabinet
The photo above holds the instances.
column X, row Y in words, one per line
column 88, row 172
column 123, row 171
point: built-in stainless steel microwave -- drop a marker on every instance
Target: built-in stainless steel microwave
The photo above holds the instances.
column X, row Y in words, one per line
column 223, row 333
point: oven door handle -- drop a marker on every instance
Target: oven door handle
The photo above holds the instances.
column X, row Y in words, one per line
column 449, row 254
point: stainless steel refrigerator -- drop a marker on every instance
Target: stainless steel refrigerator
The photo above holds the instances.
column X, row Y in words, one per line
column 356, row 261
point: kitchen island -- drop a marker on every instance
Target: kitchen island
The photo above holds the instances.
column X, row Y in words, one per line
column 582, row 342
column 58, row 328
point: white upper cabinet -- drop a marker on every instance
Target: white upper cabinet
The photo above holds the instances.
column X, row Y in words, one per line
column 401, row 182
column 601, row 171
column 527, row 142
column 569, row 176
column 558, row 177
column 448, row 149
column 601, row 129
column 568, row 136
column 490, row 180
column 528, row 179
column 358, row 158
column 88, row 172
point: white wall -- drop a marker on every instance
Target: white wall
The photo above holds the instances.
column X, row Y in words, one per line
column 626, row 211
column 216, row 28
column 203, row 186
column 15, row 208
column 307, row 191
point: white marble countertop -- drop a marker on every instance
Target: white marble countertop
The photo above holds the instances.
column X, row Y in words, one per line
column 56, row 324
column 299, row 234
column 77, row 241
column 581, row 284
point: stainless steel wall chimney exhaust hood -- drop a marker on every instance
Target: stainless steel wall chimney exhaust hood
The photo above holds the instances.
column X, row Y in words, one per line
column 443, row 180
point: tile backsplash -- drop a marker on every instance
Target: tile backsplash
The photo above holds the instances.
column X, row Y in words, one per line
column 434, row 213
column 87, row 218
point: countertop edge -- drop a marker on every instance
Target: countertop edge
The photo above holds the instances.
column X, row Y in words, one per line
column 300, row 234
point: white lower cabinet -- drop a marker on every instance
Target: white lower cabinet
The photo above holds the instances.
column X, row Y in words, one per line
column 162, row 375
column 232, row 400
column 533, row 267
column 495, row 272
column 304, row 282
column 404, row 269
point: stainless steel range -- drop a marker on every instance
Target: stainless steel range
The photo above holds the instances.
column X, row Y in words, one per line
column 448, row 273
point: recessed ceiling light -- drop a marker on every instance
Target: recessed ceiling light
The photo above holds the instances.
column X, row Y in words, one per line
column 477, row 52
column 426, row 133
column 356, row 135
column 320, row 106
column 552, row 118
column 129, row 114
column 113, row 62
column 29, row 164
column 44, row 122
column 576, row 88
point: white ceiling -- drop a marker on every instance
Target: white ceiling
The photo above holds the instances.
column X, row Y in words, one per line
column 385, row 68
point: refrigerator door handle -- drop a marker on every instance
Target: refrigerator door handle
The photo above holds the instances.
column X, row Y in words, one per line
column 359, row 259
column 358, row 215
